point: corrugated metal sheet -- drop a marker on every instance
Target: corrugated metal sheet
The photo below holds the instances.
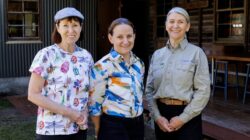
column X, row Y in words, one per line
column 89, row 42
column 1, row 36
column 15, row 59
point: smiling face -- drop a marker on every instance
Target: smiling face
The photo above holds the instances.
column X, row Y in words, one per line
column 176, row 26
column 122, row 38
column 69, row 30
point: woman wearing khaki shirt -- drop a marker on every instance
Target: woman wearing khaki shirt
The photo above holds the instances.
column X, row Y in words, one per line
column 178, row 84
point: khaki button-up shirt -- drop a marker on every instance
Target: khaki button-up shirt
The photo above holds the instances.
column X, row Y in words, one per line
column 180, row 73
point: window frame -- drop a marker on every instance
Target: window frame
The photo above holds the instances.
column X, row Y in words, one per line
column 230, row 39
column 23, row 39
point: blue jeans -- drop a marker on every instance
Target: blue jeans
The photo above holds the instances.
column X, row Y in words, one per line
column 118, row 128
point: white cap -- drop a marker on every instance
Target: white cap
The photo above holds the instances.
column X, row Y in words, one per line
column 67, row 12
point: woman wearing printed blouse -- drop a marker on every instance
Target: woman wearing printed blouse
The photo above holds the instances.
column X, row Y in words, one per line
column 178, row 84
column 59, row 83
column 117, row 87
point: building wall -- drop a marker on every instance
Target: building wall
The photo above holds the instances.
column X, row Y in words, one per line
column 89, row 9
column 202, row 26
column 152, row 24
column 202, row 31
column 1, row 36
column 15, row 58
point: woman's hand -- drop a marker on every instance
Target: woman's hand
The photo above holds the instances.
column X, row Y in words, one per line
column 83, row 118
column 176, row 123
column 163, row 123
column 74, row 115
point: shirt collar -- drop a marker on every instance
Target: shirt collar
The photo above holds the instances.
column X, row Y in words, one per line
column 117, row 57
column 183, row 44
column 76, row 49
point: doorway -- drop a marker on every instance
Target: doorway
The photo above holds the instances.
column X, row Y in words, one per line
column 137, row 11
column 107, row 11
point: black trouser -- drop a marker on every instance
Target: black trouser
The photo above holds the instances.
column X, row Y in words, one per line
column 81, row 135
column 192, row 130
column 118, row 128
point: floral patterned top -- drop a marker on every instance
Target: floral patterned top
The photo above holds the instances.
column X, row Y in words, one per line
column 116, row 86
column 66, row 82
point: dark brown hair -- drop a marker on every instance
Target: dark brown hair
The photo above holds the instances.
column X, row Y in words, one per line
column 56, row 37
column 119, row 21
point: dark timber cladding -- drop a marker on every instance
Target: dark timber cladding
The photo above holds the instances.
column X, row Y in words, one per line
column 16, row 57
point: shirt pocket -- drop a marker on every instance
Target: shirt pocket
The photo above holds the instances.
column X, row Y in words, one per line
column 186, row 67
column 184, row 73
column 157, row 72
column 158, row 67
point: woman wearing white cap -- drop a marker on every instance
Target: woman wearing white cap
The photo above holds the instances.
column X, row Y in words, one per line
column 59, row 82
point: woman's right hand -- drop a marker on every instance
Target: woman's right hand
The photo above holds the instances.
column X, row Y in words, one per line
column 84, row 118
column 163, row 123
column 75, row 116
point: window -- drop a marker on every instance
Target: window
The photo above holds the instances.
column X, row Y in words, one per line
column 23, row 20
column 230, row 21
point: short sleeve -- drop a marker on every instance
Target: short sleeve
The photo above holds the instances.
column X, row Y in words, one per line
column 40, row 64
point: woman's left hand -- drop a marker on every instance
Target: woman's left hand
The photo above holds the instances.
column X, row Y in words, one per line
column 84, row 117
column 83, row 120
column 175, row 123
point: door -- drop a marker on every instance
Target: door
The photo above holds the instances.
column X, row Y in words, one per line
column 107, row 11
column 137, row 12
